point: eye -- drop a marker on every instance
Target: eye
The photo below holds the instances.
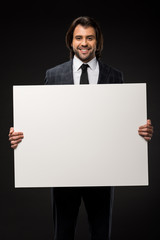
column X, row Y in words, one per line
column 78, row 37
column 90, row 38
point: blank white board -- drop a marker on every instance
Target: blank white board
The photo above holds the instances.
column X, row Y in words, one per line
column 80, row 135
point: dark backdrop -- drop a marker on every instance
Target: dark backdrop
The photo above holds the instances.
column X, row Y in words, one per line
column 32, row 40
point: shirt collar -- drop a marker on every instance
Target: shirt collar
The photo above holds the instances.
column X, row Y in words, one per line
column 77, row 63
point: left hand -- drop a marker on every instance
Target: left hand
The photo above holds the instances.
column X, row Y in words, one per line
column 146, row 131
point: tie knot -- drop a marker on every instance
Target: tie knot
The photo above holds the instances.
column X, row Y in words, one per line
column 84, row 66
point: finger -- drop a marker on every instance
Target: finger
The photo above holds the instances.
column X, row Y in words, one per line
column 147, row 138
column 143, row 126
column 16, row 134
column 146, row 126
column 16, row 137
column 16, row 142
column 149, row 122
column 146, row 130
column 145, row 134
column 14, row 146
column 11, row 130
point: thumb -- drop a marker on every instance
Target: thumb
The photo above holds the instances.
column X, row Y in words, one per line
column 11, row 130
column 149, row 122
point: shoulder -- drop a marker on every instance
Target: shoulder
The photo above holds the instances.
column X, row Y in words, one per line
column 60, row 74
column 59, row 68
column 108, row 67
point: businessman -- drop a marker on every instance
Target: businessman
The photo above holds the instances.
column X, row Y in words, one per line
column 85, row 42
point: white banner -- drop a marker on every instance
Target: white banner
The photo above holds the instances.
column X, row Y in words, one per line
column 80, row 135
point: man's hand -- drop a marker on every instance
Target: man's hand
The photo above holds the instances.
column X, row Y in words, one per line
column 146, row 130
column 15, row 138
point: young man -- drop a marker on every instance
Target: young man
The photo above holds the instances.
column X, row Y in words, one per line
column 85, row 42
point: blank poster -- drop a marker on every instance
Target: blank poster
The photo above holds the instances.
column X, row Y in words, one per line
column 80, row 135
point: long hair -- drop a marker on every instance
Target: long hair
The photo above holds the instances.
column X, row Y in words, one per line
column 85, row 22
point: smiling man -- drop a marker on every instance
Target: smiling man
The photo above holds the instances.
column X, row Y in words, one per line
column 85, row 42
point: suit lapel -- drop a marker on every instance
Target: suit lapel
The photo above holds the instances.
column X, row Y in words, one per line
column 68, row 73
column 103, row 73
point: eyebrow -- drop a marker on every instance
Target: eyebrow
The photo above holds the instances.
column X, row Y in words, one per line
column 86, row 36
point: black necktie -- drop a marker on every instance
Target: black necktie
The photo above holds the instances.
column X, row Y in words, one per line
column 84, row 75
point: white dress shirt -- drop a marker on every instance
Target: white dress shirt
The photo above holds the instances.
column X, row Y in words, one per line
column 93, row 70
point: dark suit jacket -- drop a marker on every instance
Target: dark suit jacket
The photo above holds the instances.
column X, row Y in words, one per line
column 63, row 74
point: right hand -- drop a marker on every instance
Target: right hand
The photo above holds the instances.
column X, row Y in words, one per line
column 15, row 138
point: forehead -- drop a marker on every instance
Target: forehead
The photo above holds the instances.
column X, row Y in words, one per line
column 84, row 31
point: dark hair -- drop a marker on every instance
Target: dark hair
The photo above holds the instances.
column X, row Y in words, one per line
column 85, row 22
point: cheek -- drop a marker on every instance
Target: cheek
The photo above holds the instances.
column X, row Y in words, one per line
column 94, row 45
column 74, row 44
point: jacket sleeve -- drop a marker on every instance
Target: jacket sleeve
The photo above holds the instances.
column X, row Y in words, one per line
column 46, row 78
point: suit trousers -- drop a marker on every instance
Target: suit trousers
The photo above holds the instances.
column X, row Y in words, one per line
column 98, row 203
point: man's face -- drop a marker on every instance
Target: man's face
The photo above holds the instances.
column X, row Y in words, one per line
column 84, row 43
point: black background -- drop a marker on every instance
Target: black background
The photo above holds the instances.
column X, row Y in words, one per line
column 33, row 40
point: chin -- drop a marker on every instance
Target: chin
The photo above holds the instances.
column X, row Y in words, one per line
column 85, row 58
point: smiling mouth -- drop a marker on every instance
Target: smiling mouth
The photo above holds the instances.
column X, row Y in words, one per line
column 84, row 50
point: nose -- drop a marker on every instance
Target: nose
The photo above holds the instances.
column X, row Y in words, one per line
column 84, row 42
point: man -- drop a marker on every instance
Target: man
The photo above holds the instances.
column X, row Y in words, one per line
column 85, row 42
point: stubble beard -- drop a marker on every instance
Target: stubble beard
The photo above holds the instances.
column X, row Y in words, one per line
column 84, row 58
